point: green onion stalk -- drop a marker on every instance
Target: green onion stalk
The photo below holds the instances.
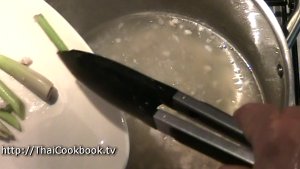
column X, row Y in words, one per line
column 31, row 79
column 53, row 36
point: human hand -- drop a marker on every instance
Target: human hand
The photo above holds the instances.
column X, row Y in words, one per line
column 273, row 134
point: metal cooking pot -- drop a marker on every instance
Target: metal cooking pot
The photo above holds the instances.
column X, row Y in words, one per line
column 249, row 25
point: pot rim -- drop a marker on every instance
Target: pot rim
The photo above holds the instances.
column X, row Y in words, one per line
column 289, row 83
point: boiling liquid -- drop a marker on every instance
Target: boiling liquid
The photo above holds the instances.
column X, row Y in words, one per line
column 182, row 53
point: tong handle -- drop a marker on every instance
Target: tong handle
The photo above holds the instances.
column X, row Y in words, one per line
column 209, row 114
column 171, row 125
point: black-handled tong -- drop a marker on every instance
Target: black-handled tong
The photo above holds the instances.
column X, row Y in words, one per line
column 132, row 90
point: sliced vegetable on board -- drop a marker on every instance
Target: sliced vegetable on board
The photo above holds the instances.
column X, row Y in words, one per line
column 31, row 79
column 10, row 119
column 11, row 98
column 5, row 133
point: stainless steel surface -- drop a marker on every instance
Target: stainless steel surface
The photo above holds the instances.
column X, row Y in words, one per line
column 170, row 123
column 293, row 26
column 287, row 61
column 208, row 112
column 242, row 22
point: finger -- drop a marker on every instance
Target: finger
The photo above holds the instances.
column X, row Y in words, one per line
column 254, row 117
column 292, row 112
column 233, row 167
column 289, row 122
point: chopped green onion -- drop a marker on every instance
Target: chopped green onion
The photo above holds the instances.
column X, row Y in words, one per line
column 10, row 119
column 34, row 81
column 7, row 108
column 5, row 133
column 44, row 24
column 9, row 97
